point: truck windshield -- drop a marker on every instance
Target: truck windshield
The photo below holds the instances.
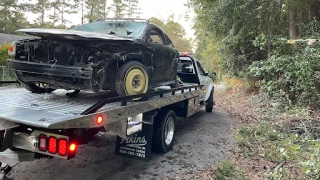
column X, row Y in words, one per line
column 185, row 66
column 131, row 29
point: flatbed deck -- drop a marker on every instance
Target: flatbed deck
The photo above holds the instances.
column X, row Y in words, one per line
column 55, row 110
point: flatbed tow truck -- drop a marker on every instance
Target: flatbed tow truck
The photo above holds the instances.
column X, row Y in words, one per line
column 34, row 126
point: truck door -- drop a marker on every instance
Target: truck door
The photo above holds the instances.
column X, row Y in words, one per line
column 203, row 78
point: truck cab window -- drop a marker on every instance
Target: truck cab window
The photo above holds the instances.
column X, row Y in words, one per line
column 201, row 71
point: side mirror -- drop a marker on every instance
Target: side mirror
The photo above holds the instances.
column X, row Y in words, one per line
column 206, row 74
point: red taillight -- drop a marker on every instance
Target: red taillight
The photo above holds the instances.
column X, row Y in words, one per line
column 43, row 143
column 72, row 147
column 52, row 145
column 185, row 54
column 99, row 119
column 57, row 146
column 62, row 150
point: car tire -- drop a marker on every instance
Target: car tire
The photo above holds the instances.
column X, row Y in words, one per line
column 132, row 78
column 210, row 103
column 36, row 88
column 164, row 131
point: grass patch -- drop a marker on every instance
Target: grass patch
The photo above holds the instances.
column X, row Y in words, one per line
column 275, row 139
column 226, row 171
column 294, row 155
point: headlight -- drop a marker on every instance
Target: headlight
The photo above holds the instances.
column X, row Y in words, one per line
column 12, row 49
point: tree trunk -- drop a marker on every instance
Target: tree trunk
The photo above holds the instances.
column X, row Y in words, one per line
column 82, row 12
column 62, row 13
column 42, row 15
column 293, row 28
column 91, row 13
column 104, row 9
column 315, row 9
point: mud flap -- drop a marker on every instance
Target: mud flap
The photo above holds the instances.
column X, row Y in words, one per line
column 138, row 146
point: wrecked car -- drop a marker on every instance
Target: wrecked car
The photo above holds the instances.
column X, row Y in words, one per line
column 122, row 55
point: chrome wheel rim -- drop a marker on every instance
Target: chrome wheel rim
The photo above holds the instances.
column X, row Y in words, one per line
column 169, row 131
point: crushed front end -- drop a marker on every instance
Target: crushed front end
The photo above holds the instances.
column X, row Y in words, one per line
column 58, row 63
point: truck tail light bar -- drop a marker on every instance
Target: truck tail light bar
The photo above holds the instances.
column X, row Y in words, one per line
column 43, row 143
column 56, row 146
column 63, row 149
column 52, row 148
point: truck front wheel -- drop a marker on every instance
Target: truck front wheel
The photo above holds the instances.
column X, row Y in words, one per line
column 164, row 131
column 210, row 103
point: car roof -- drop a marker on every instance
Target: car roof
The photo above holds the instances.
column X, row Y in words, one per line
column 125, row 19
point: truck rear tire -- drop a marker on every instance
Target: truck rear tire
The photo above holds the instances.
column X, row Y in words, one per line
column 210, row 103
column 164, row 131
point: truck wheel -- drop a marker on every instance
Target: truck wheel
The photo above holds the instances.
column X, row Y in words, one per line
column 164, row 131
column 90, row 133
column 210, row 103
column 132, row 78
column 38, row 87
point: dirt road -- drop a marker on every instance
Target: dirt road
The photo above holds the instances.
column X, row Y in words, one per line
column 201, row 141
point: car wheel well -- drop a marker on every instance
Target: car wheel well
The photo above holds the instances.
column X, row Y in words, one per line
column 128, row 60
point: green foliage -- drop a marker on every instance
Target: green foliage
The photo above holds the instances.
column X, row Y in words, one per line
column 282, row 148
column 97, row 9
column 311, row 166
column 119, row 7
column 226, row 171
column 11, row 17
column 175, row 32
column 133, row 10
column 292, row 76
column 249, row 37
column 3, row 54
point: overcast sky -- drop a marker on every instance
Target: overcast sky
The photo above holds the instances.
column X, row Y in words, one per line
column 150, row 8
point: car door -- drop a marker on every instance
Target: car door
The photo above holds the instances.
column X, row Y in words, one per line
column 203, row 78
column 161, row 55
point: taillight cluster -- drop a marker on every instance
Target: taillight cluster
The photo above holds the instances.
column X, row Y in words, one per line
column 54, row 145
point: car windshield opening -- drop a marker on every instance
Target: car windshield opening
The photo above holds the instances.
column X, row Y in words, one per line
column 131, row 29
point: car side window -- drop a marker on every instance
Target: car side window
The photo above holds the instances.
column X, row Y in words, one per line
column 169, row 43
column 201, row 71
column 155, row 37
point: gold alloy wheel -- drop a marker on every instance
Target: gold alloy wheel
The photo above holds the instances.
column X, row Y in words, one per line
column 136, row 81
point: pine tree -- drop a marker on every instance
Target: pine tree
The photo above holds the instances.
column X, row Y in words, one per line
column 11, row 17
column 132, row 8
column 119, row 7
column 41, row 7
column 97, row 9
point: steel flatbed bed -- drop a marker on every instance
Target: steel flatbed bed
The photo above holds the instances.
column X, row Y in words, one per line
column 56, row 111
column 53, row 125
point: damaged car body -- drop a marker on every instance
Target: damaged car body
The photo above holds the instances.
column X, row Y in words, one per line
column 126, row 56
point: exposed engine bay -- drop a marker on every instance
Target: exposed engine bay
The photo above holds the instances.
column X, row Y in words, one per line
column 67, row 64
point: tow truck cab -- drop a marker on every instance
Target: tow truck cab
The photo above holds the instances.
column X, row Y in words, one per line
column 190, row 72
